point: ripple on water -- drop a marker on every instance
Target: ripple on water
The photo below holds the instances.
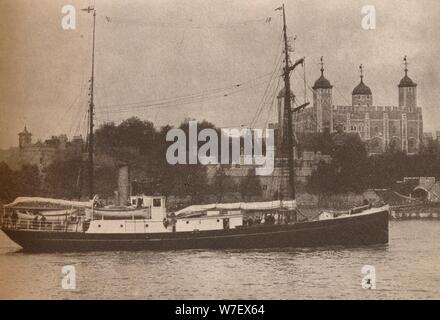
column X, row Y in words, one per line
column 408, row 267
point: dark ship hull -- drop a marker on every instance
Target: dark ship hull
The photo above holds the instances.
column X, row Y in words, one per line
column 353, row 230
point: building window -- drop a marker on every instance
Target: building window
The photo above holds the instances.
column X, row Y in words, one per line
column 157, row 202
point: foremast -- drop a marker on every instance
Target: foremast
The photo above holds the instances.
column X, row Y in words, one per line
column 288, row 112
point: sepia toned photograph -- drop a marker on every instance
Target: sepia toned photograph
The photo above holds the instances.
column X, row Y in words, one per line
column 243, row 150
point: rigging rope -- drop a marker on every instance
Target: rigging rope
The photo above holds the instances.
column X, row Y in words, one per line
column 222, row 91
column 189, row 23
column 266, row 95
column 181, row 102
column 278, row 64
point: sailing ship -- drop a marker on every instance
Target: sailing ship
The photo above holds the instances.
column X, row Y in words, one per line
column 146, row 224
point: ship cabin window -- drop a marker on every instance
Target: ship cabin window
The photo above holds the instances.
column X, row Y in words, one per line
column 133, row 202
column 157, row 202
column 226, row 224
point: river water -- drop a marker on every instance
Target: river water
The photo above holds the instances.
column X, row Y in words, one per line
column 407, row 268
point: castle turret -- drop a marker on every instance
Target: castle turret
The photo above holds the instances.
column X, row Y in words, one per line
column 24, row 139
column 361, row 95
column 407, row 90
column 322, row 102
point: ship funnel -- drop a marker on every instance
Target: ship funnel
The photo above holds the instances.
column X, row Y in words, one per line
column 123, row 185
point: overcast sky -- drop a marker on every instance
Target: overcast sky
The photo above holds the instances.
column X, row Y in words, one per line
column 151, row 49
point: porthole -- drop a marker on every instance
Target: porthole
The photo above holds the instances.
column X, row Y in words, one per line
column 187, row 222
column 146, row 226
column 218, row 220
column 121, row 225
column 99, row 226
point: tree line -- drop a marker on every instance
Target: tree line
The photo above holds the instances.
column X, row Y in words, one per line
column 352, row 169
column 135, row 143
column 142, row 146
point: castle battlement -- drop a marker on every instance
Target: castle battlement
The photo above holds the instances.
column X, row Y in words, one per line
column 389, row 109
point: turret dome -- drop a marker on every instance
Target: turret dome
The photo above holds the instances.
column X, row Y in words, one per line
column 361, row 89
column 322, row 82
column 407, row 82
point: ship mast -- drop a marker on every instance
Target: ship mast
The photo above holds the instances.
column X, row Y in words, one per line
column 288, row 110
column 91, row 107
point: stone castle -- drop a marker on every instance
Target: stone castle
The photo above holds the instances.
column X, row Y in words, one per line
column 381, row 127
column 41, row 154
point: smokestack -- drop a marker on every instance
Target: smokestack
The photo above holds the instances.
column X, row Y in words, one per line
column 123, row 185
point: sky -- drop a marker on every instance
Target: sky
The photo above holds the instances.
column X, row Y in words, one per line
column 159, row 49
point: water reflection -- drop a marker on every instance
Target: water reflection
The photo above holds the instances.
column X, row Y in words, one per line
column 408, row 267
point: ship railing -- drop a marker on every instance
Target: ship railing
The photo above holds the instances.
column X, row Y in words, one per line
column 54, row 226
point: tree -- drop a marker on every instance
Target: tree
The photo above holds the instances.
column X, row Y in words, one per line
column 29, row 180
column 322, row 181
column 349, row 157
column 62, row 178
column 8, row 187
column 250, row 186
column 106, row 180
column 385, row 169
column 222, row 184
column 348, row 169
column 131, row 137
column 190, row 180
column 23, row 182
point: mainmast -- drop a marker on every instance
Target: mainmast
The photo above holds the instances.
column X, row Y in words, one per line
column 288, row 110
column 91, row 107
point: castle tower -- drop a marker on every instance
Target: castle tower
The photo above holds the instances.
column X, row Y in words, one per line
column 24, row 139
column 361, row 95
column 407, row 90
column 322, row 102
